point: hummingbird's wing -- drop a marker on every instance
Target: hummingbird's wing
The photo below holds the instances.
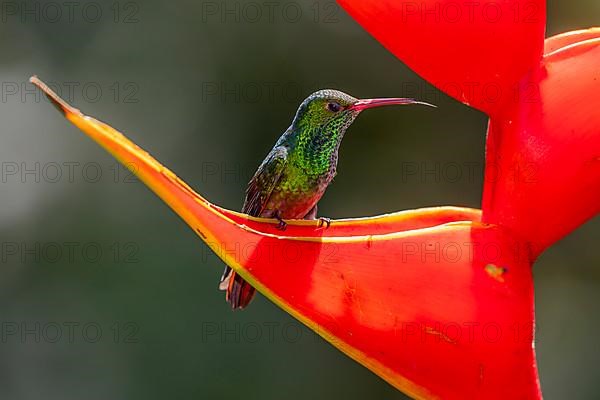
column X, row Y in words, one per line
column 259, row 190
column 264, row 181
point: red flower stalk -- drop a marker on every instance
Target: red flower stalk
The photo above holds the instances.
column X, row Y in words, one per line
column 438, row 301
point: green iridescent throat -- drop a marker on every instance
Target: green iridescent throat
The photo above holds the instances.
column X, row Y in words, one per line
column 317, row 140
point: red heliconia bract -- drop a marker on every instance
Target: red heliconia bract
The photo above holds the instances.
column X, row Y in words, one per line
column 467, row 49
column 394, row 292
column 438, row 301
column 543, row 153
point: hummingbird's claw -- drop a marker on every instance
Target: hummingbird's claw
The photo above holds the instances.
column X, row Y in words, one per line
column 282, row 225
column 324, row 221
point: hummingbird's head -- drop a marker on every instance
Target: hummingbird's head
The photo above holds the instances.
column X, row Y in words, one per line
column 326, row 110
column 323, row 117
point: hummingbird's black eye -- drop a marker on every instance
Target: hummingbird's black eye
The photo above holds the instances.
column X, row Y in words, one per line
column 333, row 106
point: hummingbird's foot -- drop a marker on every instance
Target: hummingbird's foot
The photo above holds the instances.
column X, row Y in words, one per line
column 324, row 221
column 282, row 225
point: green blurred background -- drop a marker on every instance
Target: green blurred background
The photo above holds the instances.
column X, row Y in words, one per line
column 93, row 256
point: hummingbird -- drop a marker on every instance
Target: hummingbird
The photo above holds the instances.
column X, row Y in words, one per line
column 295, row 174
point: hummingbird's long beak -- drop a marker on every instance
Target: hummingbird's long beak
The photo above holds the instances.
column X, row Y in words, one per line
column 370, row 103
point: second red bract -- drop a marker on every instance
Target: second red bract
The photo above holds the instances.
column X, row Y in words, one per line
column 437, row 301
column 543, row 149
